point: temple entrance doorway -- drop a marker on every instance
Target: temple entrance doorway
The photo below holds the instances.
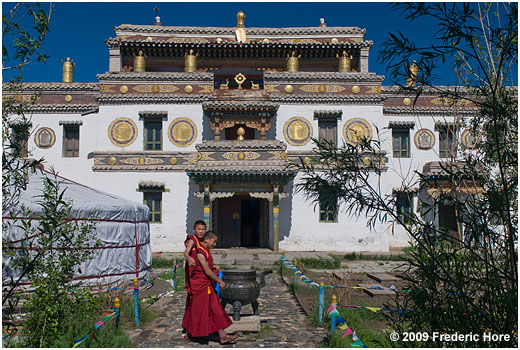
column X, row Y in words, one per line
column 241, row 221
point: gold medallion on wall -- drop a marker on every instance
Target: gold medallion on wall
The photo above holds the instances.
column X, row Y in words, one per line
column 122, row 132
column 182, row 132
column 356, row 130
column 297, row 131
column 44, row 138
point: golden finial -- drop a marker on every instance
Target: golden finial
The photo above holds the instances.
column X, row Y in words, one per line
column 240, row 19
column 334, row 300
column 241, row 132
column 68, row 71
column 344, row 63
column 292, row 62
column 190, row 62
column 411, row 75
column 117, row 303
column 139, row 63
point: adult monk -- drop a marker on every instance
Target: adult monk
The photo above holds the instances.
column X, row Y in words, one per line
column 204, row 314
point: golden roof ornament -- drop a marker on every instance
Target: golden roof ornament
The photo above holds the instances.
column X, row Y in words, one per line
column 68, row 71
column 139, row 63
column 292, row 62
column 241, row 132
column 411, row 74
column 190, row 62
column 344, row 62
column 240, row 32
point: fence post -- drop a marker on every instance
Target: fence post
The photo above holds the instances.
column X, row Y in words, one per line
column 321, row 301
column 174, row 275
column 333, row 318
column 117, row 309
column 281, row 263
column 295, row 273
column 136, row 302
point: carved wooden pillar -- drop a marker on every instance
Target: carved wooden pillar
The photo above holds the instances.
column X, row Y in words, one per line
column 276, row 224
column 207, row 205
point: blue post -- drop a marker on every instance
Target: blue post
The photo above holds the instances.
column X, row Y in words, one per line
column 295, row 272
column 136, row 302
column 333, row 324
column 321, row 301
column 117, row 309
column 217, row 286
column 175, row 275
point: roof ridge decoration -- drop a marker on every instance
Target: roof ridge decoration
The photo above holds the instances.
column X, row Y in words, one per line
column 426, row 111
column 55, row 86
column 330, row 99
column 148, row 98
column 157, row 76
column 231, row 30
column 61, row 108
column 224, row 145
column 321, row 76
column 240, row 105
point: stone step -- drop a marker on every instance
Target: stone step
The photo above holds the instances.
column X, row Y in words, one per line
column 374, row 289
column 383, row 277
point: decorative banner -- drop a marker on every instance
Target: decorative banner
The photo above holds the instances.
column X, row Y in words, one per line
column 182, row 132
column 122, row 132
column 424, row 139
column 297, row 131
column 356, row 130
column 469, row 140
column 45, row 138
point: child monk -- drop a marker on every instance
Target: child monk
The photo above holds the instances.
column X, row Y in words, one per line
column 204, row 314
column 192, row 242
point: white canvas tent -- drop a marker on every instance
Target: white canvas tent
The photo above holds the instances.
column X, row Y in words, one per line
column 122, row 227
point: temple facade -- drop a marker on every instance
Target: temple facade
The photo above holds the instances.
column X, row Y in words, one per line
column 202, row 122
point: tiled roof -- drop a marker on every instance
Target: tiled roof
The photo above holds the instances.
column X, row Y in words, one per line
column 425, row 111
column 157, row 76
column 149, row 98
column 401, row 124
column 322, row 77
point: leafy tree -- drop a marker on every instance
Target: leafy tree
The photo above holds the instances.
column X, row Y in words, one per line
column 464, row 282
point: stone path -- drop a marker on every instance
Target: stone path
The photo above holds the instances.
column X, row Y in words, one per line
column 283, row 322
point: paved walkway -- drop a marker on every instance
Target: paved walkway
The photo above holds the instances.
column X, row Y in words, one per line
column 283, row 322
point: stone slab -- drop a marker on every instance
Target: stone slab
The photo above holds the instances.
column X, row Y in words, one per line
column 383, row 277
column 246, row 324
column 373, row 292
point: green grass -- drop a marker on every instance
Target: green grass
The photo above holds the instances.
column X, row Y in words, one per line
column 321, row 263
column 164, row 262
column 128, row 313
column 361, row 256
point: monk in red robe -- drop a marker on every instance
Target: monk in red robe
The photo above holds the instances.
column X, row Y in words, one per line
column 204, row 313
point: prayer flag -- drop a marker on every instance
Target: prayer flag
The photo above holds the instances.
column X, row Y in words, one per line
column 348, row 331
column 357, row 344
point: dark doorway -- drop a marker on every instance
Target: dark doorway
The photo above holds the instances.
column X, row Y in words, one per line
column 448, row 220
column 240, row 222
column 232, row 134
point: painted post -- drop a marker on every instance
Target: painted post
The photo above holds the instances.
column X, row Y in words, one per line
column 295, row 274
column 333, row 318
column 117, row 309
column 136, row 302
column 174, row 275
column 321, row 301
column 281, row 263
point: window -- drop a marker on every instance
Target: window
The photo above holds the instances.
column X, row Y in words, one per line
column 153, row 200
column 447, row 142
column 328, row 211
column 153, row 134
column 328, row 131
column 404, row 206
column 71, row 140
column 401, row 143
column 20, row 139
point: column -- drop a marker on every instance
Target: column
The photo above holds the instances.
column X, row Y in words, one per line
column 207, row 205
column 364, row 60
column 276, row 223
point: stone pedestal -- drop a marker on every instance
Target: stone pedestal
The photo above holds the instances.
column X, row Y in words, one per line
column 246, row 324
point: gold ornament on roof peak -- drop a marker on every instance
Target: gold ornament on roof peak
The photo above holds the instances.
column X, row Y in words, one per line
column 68, row 71
column 240, row 19
column 344, row 62
column 190, row 61
column 292, row 62
column 139, row 63
column 411, row 74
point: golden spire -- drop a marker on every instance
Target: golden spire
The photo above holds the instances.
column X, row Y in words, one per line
column 68, row 71
column 139, row 63
column 240, row 19
column 411, row 75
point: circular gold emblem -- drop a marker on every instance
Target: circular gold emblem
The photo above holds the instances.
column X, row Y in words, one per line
column 123, row 89
column 356, row 89
column 424, row 139
column 307, row 160
column 367, row 161
column 265, row 41
column 149, row 38
column 356, row 131
column 469, row 140
column 297, row 131
column 112, row 160
column 406, row 101
column 219, row 40
column 173, row 160
column 182, row 132
column 44, row 138
column 19, row 98
column 68, row 98
column 288, row 89
column 122, row 132
column 188, row 89
column 334, row 40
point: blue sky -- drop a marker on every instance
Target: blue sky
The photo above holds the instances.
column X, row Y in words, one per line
column 79, row 30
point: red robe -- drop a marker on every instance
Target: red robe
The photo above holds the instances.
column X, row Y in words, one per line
column 193, row 253
column 203, row 314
